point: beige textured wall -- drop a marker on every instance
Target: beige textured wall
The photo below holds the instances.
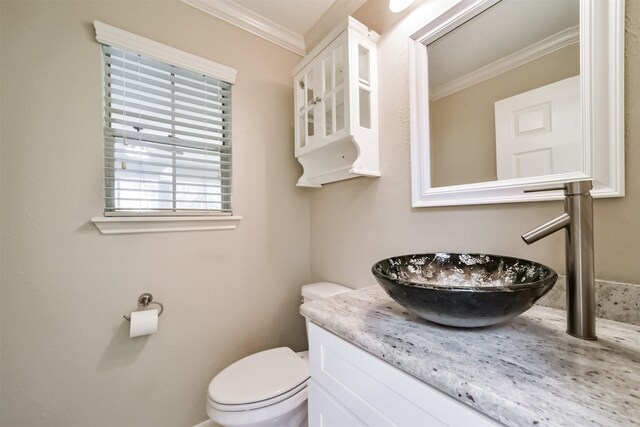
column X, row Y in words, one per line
column 66, row 356
column 464, row 122
column 357, row 222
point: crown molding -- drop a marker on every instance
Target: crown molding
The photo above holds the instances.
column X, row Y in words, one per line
column 252, row 22
column 543, row 47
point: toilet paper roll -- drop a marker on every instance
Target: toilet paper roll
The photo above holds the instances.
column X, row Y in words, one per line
column 143, row 322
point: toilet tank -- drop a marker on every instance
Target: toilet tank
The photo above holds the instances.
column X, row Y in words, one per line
column 321, row 290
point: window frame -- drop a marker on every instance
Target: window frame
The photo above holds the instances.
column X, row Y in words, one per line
column 135, row 222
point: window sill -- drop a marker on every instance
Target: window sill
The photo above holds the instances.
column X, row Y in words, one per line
column 159, row 224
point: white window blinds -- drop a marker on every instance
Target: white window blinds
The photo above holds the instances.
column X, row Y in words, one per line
column 167, row 138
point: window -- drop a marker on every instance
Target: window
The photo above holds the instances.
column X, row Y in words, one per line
column 167, row 138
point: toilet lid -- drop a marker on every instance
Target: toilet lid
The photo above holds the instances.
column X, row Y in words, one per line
column 260, row 376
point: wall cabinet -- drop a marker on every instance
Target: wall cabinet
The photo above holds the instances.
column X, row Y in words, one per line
column 336, row 107
column 350, row 387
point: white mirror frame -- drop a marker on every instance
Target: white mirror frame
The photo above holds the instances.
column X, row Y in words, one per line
column 602, row 92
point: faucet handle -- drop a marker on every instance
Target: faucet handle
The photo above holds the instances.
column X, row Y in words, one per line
column 574, row 188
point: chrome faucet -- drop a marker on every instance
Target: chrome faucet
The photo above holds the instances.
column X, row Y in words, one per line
column 577, row 220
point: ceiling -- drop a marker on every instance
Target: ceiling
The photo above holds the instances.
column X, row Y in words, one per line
column 504, row 29
column 282, row 22
column 295, row 15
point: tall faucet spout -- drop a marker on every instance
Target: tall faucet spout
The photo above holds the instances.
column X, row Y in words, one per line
column 544, row 230
column 577, row 221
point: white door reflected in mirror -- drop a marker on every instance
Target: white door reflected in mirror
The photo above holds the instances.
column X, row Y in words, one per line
column 481, row 55
column 538, row 132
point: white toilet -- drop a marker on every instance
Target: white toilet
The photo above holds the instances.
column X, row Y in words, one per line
column 268, row 388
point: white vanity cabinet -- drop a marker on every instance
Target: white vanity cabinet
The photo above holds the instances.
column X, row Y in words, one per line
column 351, row 387
column 336, row 107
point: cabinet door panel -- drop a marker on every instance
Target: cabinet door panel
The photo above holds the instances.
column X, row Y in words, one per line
column 379, row 393
column 326, row 411
column 331, row 101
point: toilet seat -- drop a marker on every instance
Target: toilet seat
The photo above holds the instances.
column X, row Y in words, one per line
column 260, row 404
column 259, row 380
column 288, row 412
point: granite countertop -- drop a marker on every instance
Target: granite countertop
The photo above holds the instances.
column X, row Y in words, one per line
column 525, row 372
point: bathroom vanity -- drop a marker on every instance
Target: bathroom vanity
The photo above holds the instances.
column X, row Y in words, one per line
column 372, row 363
column 367, row 391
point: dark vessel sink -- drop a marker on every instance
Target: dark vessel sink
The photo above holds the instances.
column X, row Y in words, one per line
column 464, row 290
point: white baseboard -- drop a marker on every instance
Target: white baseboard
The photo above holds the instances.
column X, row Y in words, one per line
column 207, row 423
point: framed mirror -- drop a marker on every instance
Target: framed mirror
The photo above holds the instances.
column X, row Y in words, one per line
column 514, row 94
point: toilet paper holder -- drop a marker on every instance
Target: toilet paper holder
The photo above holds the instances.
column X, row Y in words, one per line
column 143, row 301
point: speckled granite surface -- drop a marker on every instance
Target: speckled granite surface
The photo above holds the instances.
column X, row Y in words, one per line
column 524, row 373
column 616, row 301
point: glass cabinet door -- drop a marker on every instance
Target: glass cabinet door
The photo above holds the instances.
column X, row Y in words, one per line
column 364, row 87
column 301, row 114
column 306, row 100
column 333, row 92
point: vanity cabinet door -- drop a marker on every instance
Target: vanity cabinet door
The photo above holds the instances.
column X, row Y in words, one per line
column 325, row 411
column 376, row 393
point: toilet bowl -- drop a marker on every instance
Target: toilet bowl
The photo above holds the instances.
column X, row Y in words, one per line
column 268, row 388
